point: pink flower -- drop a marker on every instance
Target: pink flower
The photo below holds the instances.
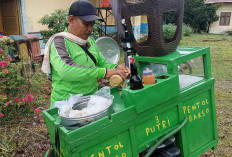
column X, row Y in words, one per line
column 1, row 49
column 1, row 115
column 17, row 100
column 5, row 71
column 30, row 97
column 30, row 81
column 37, row 110
column 25, row 99
column 1, row 36
column 9, row 57
column 8, row 103
column 3, row 64
column 3, row 94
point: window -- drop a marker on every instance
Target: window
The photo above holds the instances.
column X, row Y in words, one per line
column 140, row 28
column 156, row 68
column 225, row 19
column 191, row 72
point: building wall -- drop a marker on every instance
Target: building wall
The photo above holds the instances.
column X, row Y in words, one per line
column 215, row 27
column 96, row 3
column 36, row 9
column 1, row 28
column 144, row 25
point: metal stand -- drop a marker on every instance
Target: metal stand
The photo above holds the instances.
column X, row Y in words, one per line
column 107, row 13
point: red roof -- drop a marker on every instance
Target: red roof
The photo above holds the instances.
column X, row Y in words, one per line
column 218, row 1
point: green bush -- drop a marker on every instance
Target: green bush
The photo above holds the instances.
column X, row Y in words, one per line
column 58, row 21
column 170, row 29
column 186, row 30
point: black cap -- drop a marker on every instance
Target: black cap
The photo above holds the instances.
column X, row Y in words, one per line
column 84, row 10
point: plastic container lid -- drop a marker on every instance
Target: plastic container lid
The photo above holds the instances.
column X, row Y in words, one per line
column 31, row 37
column 18, row 38
column 147, row 72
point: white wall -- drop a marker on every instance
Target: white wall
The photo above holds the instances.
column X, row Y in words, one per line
column 36, row 9
column 215, row 27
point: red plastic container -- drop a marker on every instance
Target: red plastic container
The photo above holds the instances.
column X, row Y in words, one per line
column 106, row 4
column 33, row 44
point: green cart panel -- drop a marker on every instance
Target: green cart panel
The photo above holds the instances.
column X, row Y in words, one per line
column 181, row 103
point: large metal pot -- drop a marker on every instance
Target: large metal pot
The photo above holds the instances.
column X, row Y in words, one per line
column 74, row 123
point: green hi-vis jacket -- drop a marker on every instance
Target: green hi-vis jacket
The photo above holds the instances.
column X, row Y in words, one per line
column 73, row 71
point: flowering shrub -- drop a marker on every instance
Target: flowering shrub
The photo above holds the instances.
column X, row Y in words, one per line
column 17, row 93
column 5, row 43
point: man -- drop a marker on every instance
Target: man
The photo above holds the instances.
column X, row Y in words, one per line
column 76, row 63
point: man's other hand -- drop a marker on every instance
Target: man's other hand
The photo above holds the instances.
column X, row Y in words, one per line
column 124, row 68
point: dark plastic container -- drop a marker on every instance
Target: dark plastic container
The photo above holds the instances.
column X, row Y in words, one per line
column 156, row 44
column 167, row 149
column 21, row 46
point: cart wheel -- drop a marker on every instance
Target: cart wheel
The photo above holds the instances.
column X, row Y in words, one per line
column 185, row 68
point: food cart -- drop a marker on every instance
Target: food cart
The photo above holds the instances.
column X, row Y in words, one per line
column 181, row 103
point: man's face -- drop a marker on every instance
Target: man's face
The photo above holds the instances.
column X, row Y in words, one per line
column 82, row 28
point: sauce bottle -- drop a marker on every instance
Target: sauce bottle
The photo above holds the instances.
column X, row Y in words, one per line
column 148, row 76
column 135, row 80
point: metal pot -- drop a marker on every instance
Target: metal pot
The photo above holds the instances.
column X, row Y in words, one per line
column 74, row 123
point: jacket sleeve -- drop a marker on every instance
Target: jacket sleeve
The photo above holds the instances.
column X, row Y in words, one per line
column 65, row 66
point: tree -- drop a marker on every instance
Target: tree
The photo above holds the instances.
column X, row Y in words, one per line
column 58, row 21
column 199, row 15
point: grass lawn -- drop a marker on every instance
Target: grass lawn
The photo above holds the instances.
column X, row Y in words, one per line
column 30, row 138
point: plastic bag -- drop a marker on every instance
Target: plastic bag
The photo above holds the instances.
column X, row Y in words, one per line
column 98, row 102
column 65, row 106
column 105, row 92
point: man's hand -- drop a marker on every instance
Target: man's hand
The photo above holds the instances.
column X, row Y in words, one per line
column 111, row 72
column 124, row 68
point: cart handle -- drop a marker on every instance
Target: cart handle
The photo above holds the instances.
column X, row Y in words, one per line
column 178, row 128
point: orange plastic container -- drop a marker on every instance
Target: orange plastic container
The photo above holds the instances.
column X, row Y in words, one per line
column 148, row 77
